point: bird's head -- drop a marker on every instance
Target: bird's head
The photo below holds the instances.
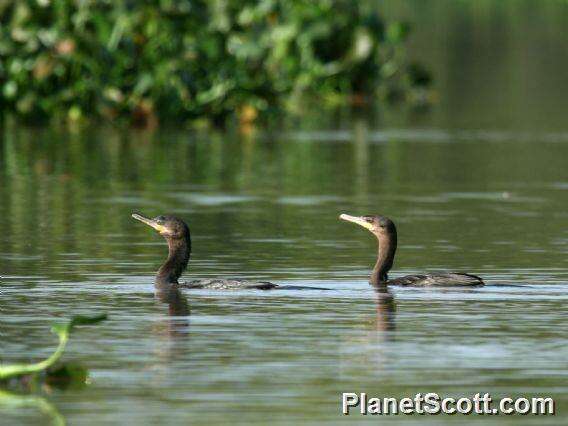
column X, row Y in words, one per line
column 170, row 227
column 378, row 225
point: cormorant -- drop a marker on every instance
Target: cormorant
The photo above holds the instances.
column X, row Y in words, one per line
column 383, row 228
column 176, row 233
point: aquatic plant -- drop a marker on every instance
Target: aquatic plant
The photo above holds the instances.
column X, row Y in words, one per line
column 14, row 400
column 63, row 331
column 46, row 372
column 196, row 59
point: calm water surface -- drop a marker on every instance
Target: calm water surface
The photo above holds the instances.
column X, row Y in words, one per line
column 267, row 208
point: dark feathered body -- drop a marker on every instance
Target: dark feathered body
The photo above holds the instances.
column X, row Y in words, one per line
column 384, row 229
column 447, row 279
column 228, row 284
column 176, row 233
column 179, row 250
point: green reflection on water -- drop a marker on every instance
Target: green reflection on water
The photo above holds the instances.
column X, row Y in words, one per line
column 267, row 207
column 495, row 204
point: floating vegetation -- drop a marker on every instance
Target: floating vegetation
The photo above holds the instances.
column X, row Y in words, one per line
column 63, row 331
column 197, row 59
column 27, row 377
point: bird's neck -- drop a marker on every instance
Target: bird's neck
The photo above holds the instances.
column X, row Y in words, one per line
column 179, row 250
column 385, row 258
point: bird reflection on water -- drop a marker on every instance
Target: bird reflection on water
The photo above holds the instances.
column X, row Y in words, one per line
column 177, row 323
column 386, row 311
column 176, row 301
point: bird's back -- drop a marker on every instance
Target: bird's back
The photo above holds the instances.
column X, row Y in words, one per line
column 228, row 284
column 446, row 279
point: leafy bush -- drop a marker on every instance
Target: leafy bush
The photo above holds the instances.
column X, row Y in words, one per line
column 186, row 59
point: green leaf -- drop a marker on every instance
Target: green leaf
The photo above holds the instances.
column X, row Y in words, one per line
column 63, row 331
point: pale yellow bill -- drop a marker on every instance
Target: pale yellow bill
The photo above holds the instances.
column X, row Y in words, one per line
column 149, row 222
column 356, row 219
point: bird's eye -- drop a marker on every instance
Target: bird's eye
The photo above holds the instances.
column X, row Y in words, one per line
column 160, row 218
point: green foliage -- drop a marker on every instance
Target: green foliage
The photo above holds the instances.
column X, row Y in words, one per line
column 192, row 58
column 63, row 331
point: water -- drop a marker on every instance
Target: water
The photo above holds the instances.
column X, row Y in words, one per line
column 267, row 209
column 487, row 196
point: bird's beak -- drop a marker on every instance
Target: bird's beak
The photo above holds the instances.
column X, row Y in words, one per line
column 358, row 220
column 149, row 222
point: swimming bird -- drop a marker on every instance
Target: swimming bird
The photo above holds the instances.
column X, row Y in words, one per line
column 176, row 233
column 384, row 229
